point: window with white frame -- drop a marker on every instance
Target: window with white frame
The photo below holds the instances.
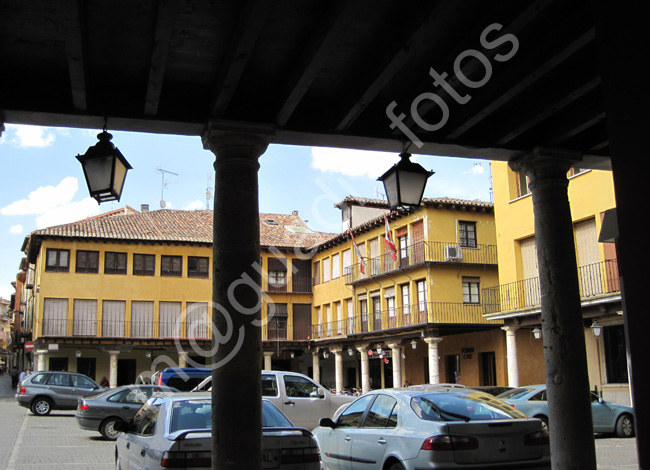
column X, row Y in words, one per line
column 336, row 266
column 421, row 290
column 141, row 319
column 471, row 290
column 55, row 317
column 84, row 313
column 467, row 234
column 326, row 270
column 406, row 299
column 347, row 262
column 113, row 318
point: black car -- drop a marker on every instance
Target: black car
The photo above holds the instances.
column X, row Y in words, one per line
column 101, row 412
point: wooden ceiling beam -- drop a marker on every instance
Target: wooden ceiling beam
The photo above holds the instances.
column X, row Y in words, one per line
column 335, row 21
column 522, row 85
column 73, row 24
column 248, row 29
column 394, row 62
column 165, row 17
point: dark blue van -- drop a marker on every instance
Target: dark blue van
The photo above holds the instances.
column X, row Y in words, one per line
column 183, row 379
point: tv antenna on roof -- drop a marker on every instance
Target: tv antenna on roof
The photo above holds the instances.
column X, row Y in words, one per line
column 208, row 193
column 163, row 204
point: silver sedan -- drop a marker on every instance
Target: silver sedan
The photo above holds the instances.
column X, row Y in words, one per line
column 402, row 429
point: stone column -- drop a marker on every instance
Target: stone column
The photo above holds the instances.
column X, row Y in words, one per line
column 434, row 359
column 570, row 420
column 396, row 349
column 365, row 368
column 112, row 368
column 236, row 294
column 511, row 355
column 182, row 359
column 315, row 365
column 41, row 355
column 338, row 368
column 267, row 360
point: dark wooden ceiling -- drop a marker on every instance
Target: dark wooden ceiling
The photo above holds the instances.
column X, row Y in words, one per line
column 322, row 72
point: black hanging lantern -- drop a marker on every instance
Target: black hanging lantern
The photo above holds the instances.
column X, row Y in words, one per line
column 404, row 183
column 105, row 169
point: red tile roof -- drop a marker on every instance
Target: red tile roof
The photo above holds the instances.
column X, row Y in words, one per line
column 278, row 230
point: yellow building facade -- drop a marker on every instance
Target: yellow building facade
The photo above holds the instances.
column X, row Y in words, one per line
column 516, row 300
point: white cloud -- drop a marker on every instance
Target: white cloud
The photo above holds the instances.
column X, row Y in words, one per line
column 33, row 136
column 352, row 162
column 477, row 169
column 195, row 205
column 16, row 229
column 44, row 198
column 67, row 213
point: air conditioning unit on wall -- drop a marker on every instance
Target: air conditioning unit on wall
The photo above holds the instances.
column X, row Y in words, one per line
column 453, row 252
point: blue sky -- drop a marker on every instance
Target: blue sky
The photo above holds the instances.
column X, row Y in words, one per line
column 43, row 184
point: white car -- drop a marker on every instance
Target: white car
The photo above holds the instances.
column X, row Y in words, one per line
column 445, row 427
column 167, row 426
column 299, row 398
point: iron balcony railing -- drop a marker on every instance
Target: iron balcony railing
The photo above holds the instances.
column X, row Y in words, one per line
column 594, row 280
column 62, row 328
column 421, row 252
column 276, row 329
column 412, row 315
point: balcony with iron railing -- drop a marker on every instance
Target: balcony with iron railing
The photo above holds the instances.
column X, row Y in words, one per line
column 299, row 285
column 595, row 280
column 410, row 316
column 276, row 329
column 422, row 252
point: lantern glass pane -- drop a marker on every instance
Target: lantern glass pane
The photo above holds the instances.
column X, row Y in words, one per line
column 391, row 188
column 411, row 187
column 98, row 173
column 120, row 175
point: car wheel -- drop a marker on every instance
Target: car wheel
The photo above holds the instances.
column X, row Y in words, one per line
column 625, row 426
column 396, row 466
column 543, row 419
column 41, row 406
column 107, row 428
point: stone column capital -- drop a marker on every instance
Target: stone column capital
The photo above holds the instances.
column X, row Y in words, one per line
column 228, row 139
column 394, row 345
column 546, row 165
column 433, row 340
column 510, row 329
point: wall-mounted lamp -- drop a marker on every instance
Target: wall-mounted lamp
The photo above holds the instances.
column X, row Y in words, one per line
column 596, row 329
column 537, row 333
column 379, row 350
column 326, row 354
column 105, row 169
column 292, row 354
column 404, row 183
column 414, row 344
column 77, row 353
column 350, row 351
column 147, row 354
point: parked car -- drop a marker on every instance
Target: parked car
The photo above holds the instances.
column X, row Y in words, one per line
column 167, row 426
column 493, row 390
column 181, row 378
column 608, row 417
column 407, row 429
column 299, row 398
column 43, row 392
column 100, row 412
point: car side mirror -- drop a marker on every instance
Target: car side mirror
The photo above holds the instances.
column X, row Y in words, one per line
column 327, row 423
column 321, row 393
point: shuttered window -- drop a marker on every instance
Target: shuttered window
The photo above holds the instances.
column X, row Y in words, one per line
column 170, row 319
column 197, row 320
column 85, row 317
column 141, row 319
column 55, row 317
column 113, row 318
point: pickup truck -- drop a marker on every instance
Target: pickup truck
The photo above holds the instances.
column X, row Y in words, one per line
column 301, row 399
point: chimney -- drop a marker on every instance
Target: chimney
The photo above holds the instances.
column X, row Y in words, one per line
column 144, row 207
column 294, row 213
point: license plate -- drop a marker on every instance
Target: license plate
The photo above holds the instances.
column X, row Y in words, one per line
column 270, row 459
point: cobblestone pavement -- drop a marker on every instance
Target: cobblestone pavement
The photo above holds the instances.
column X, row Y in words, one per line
column 30, row 442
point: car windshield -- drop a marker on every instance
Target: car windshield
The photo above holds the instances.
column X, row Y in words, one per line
column 272, row 418
column 191, row 414
column 457, row 407
column 514, row 393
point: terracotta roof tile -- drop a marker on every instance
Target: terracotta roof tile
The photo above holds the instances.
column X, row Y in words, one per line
column 181, row 226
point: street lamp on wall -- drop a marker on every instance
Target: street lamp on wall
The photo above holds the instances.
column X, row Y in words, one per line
column 404, row 183
column 596, row 329
column 537, row 333
column 78, row 354
column 105, row 169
